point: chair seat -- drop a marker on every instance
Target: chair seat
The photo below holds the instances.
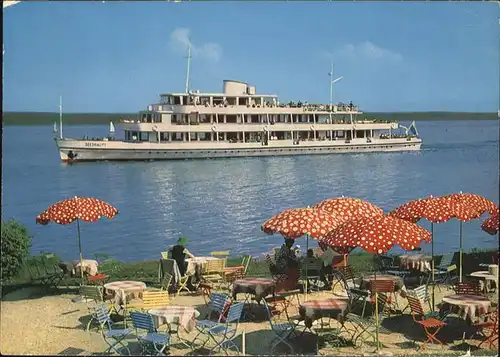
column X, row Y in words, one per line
column 285, row 326
column 220, row 330
column 212, row 277
column 206, row 323
column 486, row 324
column 117, row 332
column 278, row 298
column 432, row 322
column 155, row 337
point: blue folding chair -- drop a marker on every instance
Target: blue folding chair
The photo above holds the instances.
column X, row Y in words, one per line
column 218, row 305
column 112, row 337
column 282, row 330
column 222, row 333
column 144, row 322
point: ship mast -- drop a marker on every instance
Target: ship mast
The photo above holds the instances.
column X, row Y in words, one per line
column 60, row 118
column 188, row 65
column 332, row 81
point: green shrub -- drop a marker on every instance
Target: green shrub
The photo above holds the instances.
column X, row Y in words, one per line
column 15, row 244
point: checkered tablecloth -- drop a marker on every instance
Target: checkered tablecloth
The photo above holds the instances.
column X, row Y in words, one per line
column 184, row 316
column 466, row 306
column 259, row 287
column 124, row 291
column 366, row 283
column 316, row 309
column 418, row 262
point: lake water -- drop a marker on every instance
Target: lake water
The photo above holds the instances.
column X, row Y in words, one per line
column 220, row 204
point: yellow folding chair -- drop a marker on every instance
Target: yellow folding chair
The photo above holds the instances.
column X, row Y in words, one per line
column 214, row 271
column 164, row 255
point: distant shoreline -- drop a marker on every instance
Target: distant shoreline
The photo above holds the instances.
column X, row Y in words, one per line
column 48, row 118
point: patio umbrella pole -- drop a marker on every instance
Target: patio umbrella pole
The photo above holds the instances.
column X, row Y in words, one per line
column 460, row 252
column 432, row 262
column 307, row 248
column 376, row 309
column 80, row 247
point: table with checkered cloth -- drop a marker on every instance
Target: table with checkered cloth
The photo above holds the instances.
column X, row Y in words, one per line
column 184, row 316
column 196, row 264
column 259, row 287
column 467, row 306
column 313, row 310
column 90, row 267
column 366, row 283
column 124, row 291
column 420, row 262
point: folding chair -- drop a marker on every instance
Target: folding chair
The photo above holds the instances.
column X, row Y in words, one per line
column 386, row 265
column 282, row 330
column 443, row 272
column 218, row 306
column 222, row 333
column 214, row 271
column 166, row 281
column 151, row 338
column 221, row 255
column 150, row 300
column 348, row 274
column 94, row 293
column 469, row 287
column 430, row 324
column 111, row 336
column 313, row 276
column 422, row 293
column 271, row 265
column 491, row 324
column 367, row 325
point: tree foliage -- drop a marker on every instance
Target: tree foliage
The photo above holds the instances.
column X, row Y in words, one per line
column 15, row 245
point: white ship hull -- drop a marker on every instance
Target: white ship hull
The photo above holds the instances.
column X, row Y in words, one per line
column 100, row 150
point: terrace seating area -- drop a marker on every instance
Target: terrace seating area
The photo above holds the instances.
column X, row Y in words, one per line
column 334, row 309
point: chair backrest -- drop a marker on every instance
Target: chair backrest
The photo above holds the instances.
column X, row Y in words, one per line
column 92, row 292
column 218, row 304
column 385, row 261
column 101, row 313
column 247, row 263
column 214, row 266
column 50, row 263
column 420, row 292
column 142, row 321
column 275, row 250
column 167, row 266
column 270, row 263
column 313, row 266
column 382, row 300
column 382, row 286
column 469, row 287
column 415, row 305
column 222, row 253
column 152, row 299
column 164, row 255
column 346, row 272
column 166, row 281
column 234, row 313
column 446, row 260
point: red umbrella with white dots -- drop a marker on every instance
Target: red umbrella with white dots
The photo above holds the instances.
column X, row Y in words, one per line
column 297, row 222
column 348, row 208
column 377, row 235
column 490, row 224
column 77, row 208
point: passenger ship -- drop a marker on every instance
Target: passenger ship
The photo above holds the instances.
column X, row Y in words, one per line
column 239, row 122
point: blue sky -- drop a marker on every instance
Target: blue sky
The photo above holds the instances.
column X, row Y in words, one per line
column 117, row 57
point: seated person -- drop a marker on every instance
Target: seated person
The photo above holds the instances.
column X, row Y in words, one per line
column 287, row 265
column 179, row 252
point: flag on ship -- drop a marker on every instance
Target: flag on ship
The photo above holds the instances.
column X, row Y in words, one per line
column 412, row 129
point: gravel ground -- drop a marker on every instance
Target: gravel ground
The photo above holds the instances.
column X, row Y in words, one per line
column 34, row 324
